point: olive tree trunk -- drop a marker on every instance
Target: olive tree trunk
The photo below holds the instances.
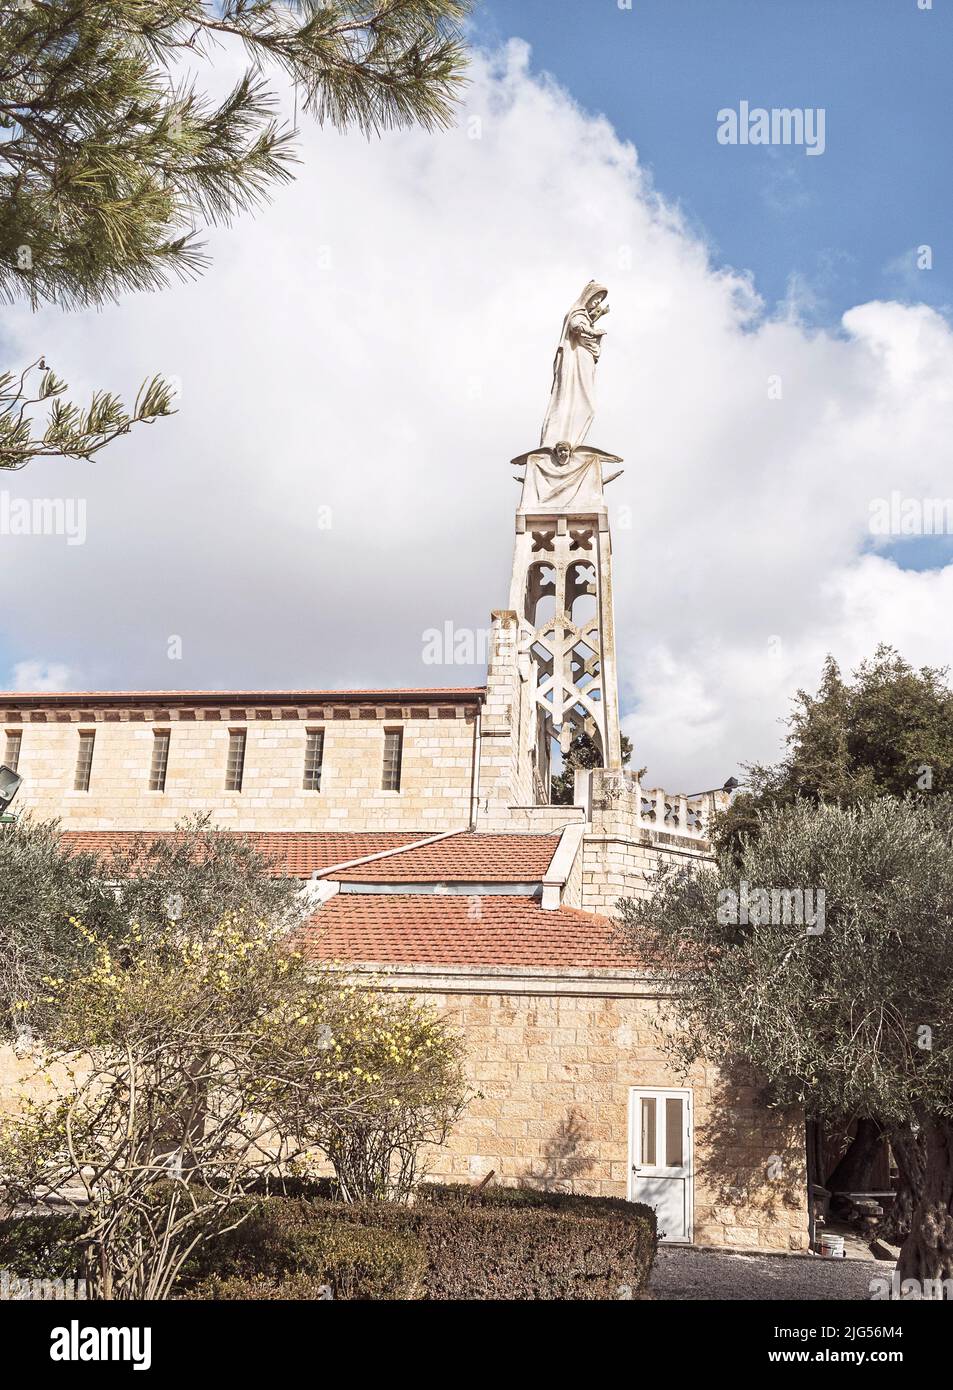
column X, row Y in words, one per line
column 909, row 1150
column 927, row 1253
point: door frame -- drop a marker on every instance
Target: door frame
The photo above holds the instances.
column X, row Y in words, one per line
column 661, row 1091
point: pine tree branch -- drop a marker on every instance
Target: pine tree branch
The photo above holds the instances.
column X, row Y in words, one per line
column 69, row 432
column 108, row 166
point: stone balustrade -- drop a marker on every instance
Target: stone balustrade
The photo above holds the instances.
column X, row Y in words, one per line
column 616, row 801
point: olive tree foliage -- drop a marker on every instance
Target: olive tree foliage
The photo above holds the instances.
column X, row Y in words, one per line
column 844, row 1003
column 40, row 889
column 197, row 874
column 885, row 730
column 113, row 158
column 194, row 875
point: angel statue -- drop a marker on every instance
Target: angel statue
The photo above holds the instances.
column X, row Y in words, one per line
column 572, row 401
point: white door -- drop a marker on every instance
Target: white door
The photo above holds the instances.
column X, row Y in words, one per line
column 660, row 1158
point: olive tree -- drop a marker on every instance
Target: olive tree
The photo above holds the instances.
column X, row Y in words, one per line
column 41, row 887
column 884, row 730
column 821, row 953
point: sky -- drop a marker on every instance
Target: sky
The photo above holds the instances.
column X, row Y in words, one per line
column 366, row 355
column 829, row 231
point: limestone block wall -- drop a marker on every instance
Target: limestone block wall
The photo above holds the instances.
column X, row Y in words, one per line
column 505, row 771
column 527, row 820
column 24, row 1077
column 435, row 794
column 621, row 866
column 551, row 1061
column 554, row 1062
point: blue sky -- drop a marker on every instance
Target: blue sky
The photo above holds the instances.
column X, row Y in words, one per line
column 843, row 224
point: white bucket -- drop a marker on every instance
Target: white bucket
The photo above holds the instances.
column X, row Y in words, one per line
column 833, row 1247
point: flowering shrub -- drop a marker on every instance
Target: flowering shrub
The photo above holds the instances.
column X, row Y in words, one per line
column 388, row 1084
column 207, row 1057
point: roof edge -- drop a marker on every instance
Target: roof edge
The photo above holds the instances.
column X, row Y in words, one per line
column 574, row 981
column 58, row 699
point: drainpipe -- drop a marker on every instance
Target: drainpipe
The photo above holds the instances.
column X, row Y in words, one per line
column 475, row 779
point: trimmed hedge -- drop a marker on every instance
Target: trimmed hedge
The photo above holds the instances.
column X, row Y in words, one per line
column 455, row 1242
column 298, row 1288
column 520, row 1243
column 293, row 1248
column 285, row 1248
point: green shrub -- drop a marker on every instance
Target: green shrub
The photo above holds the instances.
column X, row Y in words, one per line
column 519, row 1243
column 41, row 1247
column 449, row 1194
column 453, row 1243
column 289, row 1242
column 296, row 1287
column 513, row 1251
column 323, row 1189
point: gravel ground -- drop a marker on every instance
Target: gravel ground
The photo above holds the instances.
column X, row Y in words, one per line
column 709, row 1274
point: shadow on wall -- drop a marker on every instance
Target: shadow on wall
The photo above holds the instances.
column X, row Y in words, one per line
column 565, row 1158
column 749, row 1154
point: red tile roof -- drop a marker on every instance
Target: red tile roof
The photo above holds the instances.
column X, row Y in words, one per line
column 454, row 929
column 466, row 857
column 298, row 854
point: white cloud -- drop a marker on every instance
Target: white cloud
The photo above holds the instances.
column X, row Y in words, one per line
column 41, row 676
column 379, row 343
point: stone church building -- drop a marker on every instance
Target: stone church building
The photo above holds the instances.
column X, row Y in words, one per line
column 419, row 823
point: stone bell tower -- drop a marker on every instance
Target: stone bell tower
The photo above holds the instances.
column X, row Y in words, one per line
column 552, row 672
column 561, row 592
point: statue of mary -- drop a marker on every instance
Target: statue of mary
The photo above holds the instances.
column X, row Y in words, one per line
column 572, row 400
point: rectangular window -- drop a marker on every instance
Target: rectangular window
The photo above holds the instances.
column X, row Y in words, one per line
column 11, row 754
column 84, row 760
column 393, row 749
column 648, row 1131
column 160, row 759
column 235, row 766
column 313, row 760
column 674, row 1131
